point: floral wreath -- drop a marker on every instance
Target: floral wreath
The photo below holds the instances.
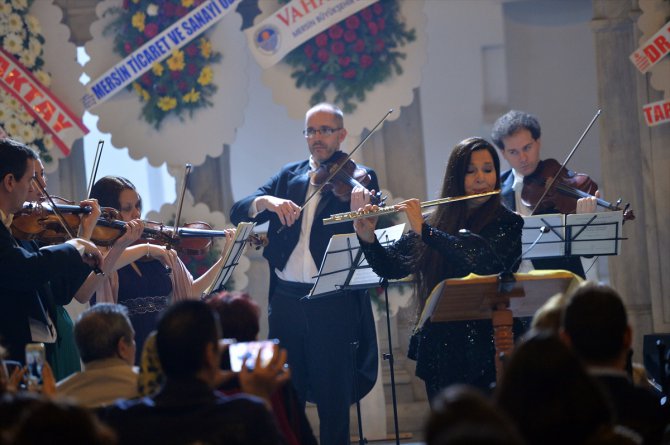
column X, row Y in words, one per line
column 181, row 83
column 21, row 36
column 352, row 56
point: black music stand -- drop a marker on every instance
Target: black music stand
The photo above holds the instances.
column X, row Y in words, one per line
column 585, row 234
column 477, row 297
column 344, row 268
column 231, row 257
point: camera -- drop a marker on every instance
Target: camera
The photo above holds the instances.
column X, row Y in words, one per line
column 246, row 352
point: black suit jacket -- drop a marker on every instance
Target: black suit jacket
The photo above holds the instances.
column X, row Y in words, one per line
column 571, row 263
column 24, row 276
column 637, row 408
column 188, row 411
column 291, row 183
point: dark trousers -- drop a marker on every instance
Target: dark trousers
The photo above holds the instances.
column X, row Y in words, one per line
column 321, row 336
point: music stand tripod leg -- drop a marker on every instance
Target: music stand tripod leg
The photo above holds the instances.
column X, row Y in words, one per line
column 389, row 357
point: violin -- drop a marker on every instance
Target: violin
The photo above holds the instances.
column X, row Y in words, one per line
column 38, row 220
column 552, row 188
column 191, row 239
column 340, row 175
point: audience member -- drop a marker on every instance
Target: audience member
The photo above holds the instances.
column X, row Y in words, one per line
column 45, row 421
column 549, row 395
column 239, row 316
column 187, row 409
column 106, row 343
column 462, row 415
column 596, row 326
column 151, row 377
column 548, row 316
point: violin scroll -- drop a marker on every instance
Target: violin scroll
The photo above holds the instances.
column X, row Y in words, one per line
column 340, row 175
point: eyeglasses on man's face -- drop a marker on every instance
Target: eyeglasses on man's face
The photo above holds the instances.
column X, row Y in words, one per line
column 323, row 131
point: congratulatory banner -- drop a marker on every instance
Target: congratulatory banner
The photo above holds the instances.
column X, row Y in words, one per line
column 52, row 115
column 156, row 50
column 294, row 24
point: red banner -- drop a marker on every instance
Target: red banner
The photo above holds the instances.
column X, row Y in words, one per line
column 52, row 115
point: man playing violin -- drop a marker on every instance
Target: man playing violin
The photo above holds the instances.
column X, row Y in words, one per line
column 25, row 274
column 517, row 136
column 319, row 334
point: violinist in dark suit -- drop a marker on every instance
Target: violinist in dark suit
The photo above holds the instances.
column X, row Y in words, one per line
column 318, row 334
column 517, row 136
column 24, row 275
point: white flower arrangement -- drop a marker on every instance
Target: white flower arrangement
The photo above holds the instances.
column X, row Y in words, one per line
column 20, row 36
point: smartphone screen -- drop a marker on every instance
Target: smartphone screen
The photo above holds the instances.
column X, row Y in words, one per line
column 246, row 352
column 35, row 359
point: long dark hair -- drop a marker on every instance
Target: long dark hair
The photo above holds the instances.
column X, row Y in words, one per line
column 108, row 190
column 452, row 217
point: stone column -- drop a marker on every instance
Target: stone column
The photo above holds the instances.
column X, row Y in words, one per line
column 635, row 165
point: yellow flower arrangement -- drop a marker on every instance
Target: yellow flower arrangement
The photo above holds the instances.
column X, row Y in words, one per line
column 167, row 103
column 176, row 61
column 205, row 48
column 206, row 76
column 138, row 20
column 183, row 82
column 192, row 96
column 157, row 69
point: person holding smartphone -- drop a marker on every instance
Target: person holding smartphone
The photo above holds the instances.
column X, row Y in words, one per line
column 239, row 317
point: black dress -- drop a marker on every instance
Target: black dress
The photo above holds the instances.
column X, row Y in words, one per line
column 458, row 351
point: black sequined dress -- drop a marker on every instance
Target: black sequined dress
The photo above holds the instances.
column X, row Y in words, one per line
column 460, row 351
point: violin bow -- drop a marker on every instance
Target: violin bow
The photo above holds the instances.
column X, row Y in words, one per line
column 567, row 159
column 60, row 217
column 96, row 163
column 337, row 170
column 182, row 194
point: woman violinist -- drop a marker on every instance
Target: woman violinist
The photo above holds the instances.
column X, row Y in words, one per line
column 517, row 135
column 146, row 287
column 62, row 354
column 436, row 249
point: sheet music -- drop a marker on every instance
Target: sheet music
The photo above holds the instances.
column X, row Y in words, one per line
column 231, row 256
column 338, row 262
column 364, row 273
column 600, row 236
column 552, row 244
column 431, row 303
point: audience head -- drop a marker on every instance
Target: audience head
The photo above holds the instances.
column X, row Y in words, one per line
column 548, row 316
column 46, row 421
column 549, row 395
column 462, row 415
column 596, row 326
column 187, row 340
column 238, row 313
column 120, row 194
column 105, row 331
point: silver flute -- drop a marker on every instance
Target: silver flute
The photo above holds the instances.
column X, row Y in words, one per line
column 350, row 216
